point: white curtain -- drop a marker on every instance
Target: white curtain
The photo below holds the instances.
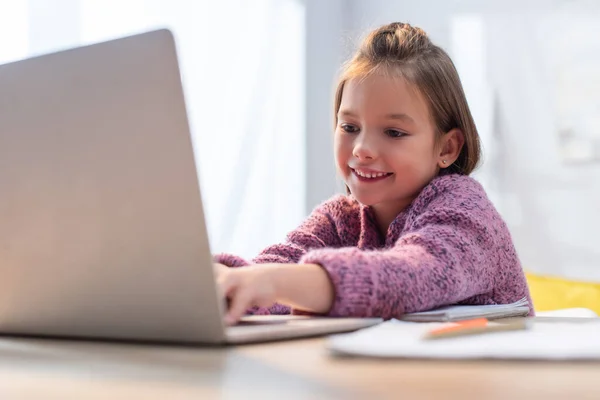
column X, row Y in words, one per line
column 243, row 73
column 14, row 24
column 541, row 151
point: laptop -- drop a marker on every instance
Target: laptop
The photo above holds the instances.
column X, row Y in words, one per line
column 102, row 232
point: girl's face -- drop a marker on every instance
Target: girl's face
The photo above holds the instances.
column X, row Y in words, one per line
column 385, row 142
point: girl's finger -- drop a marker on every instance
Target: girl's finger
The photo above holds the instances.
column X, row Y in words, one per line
column 241, row 300
column 226, row 283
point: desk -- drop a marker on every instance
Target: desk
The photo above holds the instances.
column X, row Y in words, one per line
column 54, row 369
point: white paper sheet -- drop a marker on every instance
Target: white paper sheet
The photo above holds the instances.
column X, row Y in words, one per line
column 555, row 340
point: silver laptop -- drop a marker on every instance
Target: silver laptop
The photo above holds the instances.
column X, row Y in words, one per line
column 102, row 231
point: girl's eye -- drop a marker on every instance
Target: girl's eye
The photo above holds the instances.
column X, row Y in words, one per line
column 394, row 133
column 349, row 128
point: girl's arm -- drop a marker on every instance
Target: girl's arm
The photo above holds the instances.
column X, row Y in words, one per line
column 318, row 231
column 449, row 256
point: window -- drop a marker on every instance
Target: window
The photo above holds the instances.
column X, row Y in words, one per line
column 242, row 65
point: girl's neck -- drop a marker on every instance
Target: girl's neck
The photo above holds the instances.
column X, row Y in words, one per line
column 386, row 213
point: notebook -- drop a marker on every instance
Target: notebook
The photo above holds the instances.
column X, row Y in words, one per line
column 542, row 341
column 463, row 312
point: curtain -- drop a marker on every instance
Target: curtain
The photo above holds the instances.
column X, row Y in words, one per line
column 242, row 65
column 541, row 134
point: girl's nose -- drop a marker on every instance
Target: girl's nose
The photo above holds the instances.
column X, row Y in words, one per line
column 364, row 149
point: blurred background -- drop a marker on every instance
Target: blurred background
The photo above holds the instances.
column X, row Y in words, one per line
column 259, row 76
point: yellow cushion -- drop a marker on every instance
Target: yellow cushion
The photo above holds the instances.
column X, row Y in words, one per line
column 551, row 293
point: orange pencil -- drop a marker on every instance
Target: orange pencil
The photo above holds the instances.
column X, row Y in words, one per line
column 475, row 326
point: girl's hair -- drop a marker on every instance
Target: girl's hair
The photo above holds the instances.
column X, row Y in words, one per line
column 401, row 50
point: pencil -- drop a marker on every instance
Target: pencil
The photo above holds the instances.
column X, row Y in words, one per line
column 476, row 327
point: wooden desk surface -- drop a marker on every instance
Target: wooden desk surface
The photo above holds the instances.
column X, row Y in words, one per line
column 54, row 369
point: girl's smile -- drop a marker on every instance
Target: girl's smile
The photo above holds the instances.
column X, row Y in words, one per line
column 368, row 175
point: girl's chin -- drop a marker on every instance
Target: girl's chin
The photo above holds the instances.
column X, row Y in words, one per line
column 365, row 199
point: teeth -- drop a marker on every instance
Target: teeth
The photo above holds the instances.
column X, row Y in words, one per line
column 369, row 175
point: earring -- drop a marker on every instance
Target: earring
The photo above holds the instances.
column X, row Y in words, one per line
column 444, row 162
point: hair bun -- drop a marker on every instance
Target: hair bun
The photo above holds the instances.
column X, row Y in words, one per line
column 397, row 41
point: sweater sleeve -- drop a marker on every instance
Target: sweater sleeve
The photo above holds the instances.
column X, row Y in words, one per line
column 316, row 232
column 447, row 256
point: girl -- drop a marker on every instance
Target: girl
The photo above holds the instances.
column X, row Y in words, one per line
column 415, row 232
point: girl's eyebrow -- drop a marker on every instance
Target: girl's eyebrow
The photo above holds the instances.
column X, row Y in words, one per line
column 399, row 116
column 346, row 113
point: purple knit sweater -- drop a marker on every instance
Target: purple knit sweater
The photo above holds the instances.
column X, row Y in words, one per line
column 450, row 246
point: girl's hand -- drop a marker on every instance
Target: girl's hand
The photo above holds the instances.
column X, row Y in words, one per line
column 220, row 269
column 302, row 286
column 246, row 287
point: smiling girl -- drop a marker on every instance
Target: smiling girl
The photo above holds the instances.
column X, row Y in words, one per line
column 414, row 231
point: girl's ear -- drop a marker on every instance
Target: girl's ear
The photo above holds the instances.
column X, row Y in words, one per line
column 451, row 144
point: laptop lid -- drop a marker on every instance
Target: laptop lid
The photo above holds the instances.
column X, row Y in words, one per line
column 102, row 230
